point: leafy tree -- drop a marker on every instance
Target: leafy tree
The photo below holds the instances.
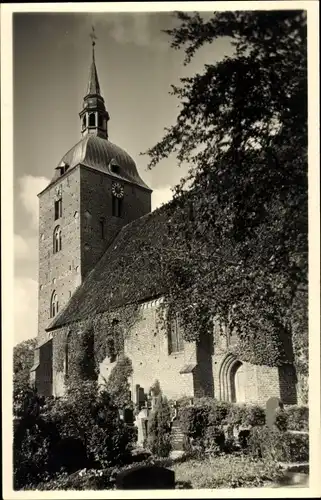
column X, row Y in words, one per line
column 23, row 358
column 239, row 220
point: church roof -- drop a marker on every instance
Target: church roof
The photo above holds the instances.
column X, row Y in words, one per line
column 97, row 153
column 125, row 274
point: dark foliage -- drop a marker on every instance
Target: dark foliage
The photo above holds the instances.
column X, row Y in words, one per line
column 298, row 418
column 242, row 129
column 118, row 385
column 281, row 420
column 276, row 445
column 82, row 431
column 23, row 358
column 159, row 428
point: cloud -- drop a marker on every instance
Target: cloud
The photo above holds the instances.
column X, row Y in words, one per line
column 138, row 28
column 30, row 186
column 25, row 248
column 25, row 309
column 161, row 196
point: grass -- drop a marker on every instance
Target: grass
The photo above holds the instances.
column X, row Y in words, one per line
column 228, row 471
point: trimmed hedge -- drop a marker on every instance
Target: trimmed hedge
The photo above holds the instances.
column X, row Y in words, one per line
column 281, row 420
column 272, row 444
column 206, row 412
column 298, row 418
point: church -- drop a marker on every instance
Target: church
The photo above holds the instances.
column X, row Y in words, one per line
column 95, row 230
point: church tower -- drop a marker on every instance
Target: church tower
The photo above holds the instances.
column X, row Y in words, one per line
column 95, row 191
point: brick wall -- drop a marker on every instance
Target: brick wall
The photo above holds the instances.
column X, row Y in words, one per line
column 147, row 347
column 96, row 203
column 58, row 272
column 259, row 382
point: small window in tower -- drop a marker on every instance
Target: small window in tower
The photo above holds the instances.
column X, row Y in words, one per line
column 57, row 239
column 84, row 121
column 100, row 121
column 114, row 167
column 58, row 209
column 92, row 120
column 54, row 305
column 117, row 206
column 102, row 228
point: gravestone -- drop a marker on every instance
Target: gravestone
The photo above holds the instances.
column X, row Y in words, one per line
column 146, row 477
column 141, row 423
column 128, row 416
column 177, row 436
column 272, row 405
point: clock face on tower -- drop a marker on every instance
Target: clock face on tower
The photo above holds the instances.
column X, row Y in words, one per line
column 117, row 190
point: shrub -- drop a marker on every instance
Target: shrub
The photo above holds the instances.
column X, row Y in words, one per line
column 272, row 444
column 183, row 402
column 298, row 418
column 297, row 446
column 194, row 420
column 27, row 402
column 214, row 441
column 33, row 444
column 117, row 384
column 91, row 416
column 281, row 420
column 247, row 415
column 219, row 412
column 159, row 428
column 111, row 444
column 254, row 416
column 80, row 431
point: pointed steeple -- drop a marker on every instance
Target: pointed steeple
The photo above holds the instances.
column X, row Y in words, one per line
column 93, row 82
column 94, row 116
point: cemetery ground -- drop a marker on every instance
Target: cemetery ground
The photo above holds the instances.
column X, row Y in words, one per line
column 85, row 443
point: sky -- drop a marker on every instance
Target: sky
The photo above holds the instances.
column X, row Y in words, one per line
column 51, row 60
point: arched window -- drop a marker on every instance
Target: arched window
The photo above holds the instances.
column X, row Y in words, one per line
column 57, row 239
column 84, row 121
column 92, row 120
column 54, row 305
column 175, row 339
column 100, row 121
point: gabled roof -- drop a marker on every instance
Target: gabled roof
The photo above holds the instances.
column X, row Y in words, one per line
column 125, row 274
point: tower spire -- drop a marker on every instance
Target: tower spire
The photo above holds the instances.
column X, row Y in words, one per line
column 94, row 116
column 93, row 82
column 93, row 38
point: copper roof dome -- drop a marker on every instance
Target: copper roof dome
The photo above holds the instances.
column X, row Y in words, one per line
column 100, row 154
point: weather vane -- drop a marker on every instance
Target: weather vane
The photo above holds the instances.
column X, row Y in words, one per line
column 93, row 36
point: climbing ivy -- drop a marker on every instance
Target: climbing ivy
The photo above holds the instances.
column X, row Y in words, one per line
column 87, row 343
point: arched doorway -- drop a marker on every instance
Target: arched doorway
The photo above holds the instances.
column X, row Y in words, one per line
column 238, row 382
column 232, row 380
